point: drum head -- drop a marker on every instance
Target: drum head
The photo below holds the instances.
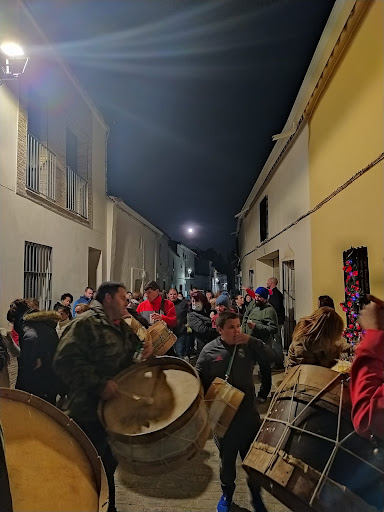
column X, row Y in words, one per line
column 152, row 397
column 51, row 466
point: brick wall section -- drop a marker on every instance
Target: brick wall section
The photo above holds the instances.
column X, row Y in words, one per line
column 74, row 113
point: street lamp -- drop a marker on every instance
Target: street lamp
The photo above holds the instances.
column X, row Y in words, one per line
column 12, row 60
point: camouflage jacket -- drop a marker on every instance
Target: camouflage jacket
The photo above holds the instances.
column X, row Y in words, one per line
column 91, row 351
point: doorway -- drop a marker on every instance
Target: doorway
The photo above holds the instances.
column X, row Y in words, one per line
column 289, row 301
column 94, row 268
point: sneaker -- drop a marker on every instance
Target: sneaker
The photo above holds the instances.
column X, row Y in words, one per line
column 224, row 504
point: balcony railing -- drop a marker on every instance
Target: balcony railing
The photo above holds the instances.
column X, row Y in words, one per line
column 41, row 168
column 77, row 194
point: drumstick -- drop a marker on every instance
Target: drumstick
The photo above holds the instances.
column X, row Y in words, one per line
column 377, row 301
column 148, row 400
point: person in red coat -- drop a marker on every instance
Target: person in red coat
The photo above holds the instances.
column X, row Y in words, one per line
column 156, row 308
column 367, row 377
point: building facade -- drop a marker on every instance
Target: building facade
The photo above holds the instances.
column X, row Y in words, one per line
column 137, row 250
column 319, row 196
column 52, row 178
column 181, row 266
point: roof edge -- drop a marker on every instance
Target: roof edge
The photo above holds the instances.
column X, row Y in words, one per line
column 132, row 213
column 333, row 29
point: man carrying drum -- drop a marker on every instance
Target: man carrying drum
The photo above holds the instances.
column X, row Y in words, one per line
column 95, row 347
column 213, row 362
column 156, row 308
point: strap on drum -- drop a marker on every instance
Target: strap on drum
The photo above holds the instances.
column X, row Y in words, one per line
column 227, row 373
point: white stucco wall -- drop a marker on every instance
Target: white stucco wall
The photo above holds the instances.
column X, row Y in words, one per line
column 134, row 245
column 24, row 220
column 288, row 199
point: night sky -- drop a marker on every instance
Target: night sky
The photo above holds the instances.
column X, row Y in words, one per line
column 192, row 91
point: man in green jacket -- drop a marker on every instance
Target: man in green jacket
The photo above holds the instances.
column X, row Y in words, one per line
column 260, row 321
column 94, row 348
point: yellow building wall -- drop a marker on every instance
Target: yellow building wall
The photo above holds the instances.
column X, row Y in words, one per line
column 346, row 134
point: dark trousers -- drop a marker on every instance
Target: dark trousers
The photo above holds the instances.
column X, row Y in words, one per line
column 238, row 440
column 183, row 345
column 266, row 378
column 98, row 436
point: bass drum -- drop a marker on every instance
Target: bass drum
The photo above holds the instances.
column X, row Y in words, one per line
column 160, row 420
column 52, row 465
column 307, row 452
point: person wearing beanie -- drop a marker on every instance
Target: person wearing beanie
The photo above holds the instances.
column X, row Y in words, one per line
column 222, row 304
column 260, row 321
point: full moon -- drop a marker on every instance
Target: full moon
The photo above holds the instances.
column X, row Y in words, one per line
column 190, row 230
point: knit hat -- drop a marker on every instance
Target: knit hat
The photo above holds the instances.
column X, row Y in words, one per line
column 223, row 300
column 263, row 292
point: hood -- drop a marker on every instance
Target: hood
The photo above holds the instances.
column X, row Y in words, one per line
column 97, row 307
column 19, row 318
column 42, row 316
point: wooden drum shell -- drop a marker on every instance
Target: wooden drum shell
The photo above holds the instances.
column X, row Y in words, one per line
column 289, row 462
column 71, row 435
column 162, row 338
column 168, row 448
column 223, row 401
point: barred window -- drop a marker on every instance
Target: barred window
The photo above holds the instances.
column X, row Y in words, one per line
column 38, row 274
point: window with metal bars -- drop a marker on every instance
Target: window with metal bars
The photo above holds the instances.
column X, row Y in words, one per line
column 77, row 194
column 41, row 168
column 263, row 219
column 38, row 274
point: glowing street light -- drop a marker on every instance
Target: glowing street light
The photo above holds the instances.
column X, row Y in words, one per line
column 11, row 49
column 12, row 60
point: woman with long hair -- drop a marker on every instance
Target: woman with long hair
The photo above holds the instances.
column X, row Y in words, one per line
column 317, row 339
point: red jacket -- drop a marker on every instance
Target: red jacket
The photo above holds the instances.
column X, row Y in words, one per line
column 367, row 385
column 169, row 309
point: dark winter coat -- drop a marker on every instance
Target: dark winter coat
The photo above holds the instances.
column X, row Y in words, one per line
column 92, row 350
column 240, row 310
column 4, row 361
column 201, row 326
column 214, row 359
column 182, row 308
column 276, row 299
column 38, row 343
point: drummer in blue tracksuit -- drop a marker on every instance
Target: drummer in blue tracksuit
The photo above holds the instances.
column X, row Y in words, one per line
column 213, row 362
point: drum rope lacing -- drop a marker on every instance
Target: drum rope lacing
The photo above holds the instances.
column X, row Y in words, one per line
column 289, row 425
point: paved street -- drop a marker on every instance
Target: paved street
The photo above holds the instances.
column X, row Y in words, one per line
column 194, row 487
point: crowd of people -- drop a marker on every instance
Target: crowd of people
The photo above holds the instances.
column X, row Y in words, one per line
column 71, row 355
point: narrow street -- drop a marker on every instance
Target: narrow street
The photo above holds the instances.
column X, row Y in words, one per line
column 194, row 487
